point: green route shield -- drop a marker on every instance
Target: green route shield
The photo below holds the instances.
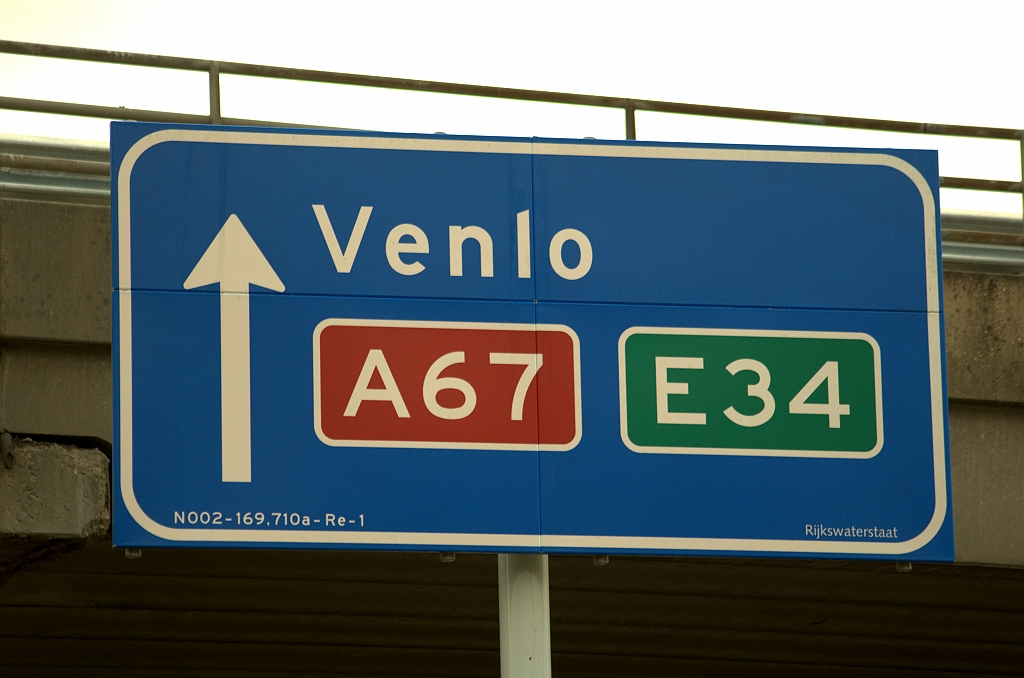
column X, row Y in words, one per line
column 750, row 392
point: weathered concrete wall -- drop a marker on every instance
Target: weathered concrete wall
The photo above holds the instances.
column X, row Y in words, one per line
column 52, row 498
column 54, row 271
column 55, row 319
column 55, row 491
column 987, row 459
column 985, row 337
column 56, row 389
column 985, row 375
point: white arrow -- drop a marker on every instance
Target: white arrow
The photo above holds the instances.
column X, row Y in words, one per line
column 234, row 261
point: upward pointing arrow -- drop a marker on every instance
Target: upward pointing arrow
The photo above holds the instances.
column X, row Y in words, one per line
column 234, row 261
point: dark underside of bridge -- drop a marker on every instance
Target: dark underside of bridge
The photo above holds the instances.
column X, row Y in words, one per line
column 269, row 613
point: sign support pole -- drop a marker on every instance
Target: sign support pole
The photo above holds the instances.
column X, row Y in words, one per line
column 524, row 614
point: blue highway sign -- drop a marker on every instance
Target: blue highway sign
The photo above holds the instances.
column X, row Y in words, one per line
column 380, row 341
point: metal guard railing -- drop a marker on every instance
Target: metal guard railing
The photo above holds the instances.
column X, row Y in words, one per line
column 969, row 241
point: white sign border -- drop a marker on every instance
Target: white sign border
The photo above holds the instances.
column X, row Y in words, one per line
column 523, row 541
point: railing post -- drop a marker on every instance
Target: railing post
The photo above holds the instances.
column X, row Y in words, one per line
column 630, row 120
column 214, row 93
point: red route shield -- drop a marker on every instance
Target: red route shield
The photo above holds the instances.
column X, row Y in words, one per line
column 389, row 383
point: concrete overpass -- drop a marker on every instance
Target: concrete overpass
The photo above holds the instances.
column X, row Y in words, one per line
column 70, row 604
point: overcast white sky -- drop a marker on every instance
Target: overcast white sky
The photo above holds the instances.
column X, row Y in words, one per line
column 943, row 62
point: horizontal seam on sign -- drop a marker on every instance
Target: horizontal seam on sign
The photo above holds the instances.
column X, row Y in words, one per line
column 310, row 295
